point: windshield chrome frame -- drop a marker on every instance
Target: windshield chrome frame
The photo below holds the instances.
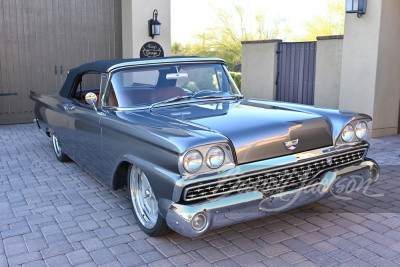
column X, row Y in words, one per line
column 237, row 93
column 164, row 62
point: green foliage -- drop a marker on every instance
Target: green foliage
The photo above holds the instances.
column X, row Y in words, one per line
column 331, row 22
column 199, row 79
column 190, row 86
column 237, row 77
column 177, row 48
column 224, row 40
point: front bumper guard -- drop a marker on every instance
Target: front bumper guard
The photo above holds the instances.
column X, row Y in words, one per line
column 253, row 205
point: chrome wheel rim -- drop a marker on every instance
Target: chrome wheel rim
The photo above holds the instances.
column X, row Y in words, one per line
column 56, row 146
column 143, row 199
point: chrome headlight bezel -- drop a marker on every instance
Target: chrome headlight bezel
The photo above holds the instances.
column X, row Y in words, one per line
column 227, row 163
column 348, row 133
column 356, row 138
column 192, row 153
column 215, row 149
column 362, row 127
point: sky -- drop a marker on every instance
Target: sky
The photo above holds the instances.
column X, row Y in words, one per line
column 190, row 17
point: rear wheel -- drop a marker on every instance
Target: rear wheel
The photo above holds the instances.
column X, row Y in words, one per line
column 57, row 149
column 145, row 205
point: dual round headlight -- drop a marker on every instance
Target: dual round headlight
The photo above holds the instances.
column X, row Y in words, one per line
column 360, row 131
column 193, row 160
column 348, row 133
column 215, row 157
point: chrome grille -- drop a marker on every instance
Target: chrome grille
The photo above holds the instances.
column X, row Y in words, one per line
column 273, row 181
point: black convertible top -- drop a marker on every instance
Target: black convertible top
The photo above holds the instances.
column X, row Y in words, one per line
column 97, row 66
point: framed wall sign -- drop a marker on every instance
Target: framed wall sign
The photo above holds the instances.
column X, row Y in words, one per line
column 151, row 49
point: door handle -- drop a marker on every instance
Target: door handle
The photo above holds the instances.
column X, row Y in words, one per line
column 68, row 107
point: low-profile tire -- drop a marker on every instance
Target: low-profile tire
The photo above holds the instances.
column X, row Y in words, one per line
column 57, row 149
column 144, row 204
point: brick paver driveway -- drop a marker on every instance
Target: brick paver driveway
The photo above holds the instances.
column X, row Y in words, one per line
column 56, row 214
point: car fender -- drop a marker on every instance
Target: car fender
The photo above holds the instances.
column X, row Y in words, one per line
column 161, row 180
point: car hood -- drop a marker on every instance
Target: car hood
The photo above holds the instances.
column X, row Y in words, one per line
column 257, row 131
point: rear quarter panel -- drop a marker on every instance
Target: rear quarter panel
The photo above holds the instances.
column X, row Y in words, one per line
column 50, row 113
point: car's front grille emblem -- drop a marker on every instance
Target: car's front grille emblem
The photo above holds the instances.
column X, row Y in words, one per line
column 291, row 145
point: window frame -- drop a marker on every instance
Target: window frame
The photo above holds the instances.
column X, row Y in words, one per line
column 103, row 104
column 78, row 80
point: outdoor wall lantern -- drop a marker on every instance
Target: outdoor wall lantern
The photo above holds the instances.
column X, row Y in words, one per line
column 154, row 25
column 356, row 6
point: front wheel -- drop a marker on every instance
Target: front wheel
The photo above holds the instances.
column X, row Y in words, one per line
column 57, row 149
column 145, row 205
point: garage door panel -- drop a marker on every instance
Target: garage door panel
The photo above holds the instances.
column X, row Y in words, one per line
column 40, row 40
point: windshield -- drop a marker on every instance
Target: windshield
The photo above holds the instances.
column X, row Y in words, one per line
column 145, row 86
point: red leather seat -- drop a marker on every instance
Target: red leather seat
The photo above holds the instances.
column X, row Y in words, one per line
column 164, row 93
column 132, row 97
column 141, row 96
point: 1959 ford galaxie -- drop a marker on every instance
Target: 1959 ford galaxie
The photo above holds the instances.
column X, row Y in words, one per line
column 193, row 152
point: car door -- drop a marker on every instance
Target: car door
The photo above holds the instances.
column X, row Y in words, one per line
column 85, row 137
column 83, row 134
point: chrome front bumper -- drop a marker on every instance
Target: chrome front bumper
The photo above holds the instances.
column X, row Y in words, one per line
column 252, row 205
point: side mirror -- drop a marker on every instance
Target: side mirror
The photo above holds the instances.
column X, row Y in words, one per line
column 91, row 99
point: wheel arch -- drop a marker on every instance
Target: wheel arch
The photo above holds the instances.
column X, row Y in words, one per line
column 161, row 180
column 120, row 175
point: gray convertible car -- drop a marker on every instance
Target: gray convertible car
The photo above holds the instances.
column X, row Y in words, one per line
column 194, row 154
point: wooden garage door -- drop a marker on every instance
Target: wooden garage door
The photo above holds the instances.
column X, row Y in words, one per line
column 40, row 40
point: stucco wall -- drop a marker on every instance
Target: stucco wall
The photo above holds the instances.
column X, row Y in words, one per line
column 135, row 33
column 387, row 91
column 371, row 65
column 259, row 68
column 327, row 71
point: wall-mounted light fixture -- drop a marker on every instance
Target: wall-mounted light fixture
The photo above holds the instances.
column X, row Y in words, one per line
column 154, row 25
column 356, row 6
